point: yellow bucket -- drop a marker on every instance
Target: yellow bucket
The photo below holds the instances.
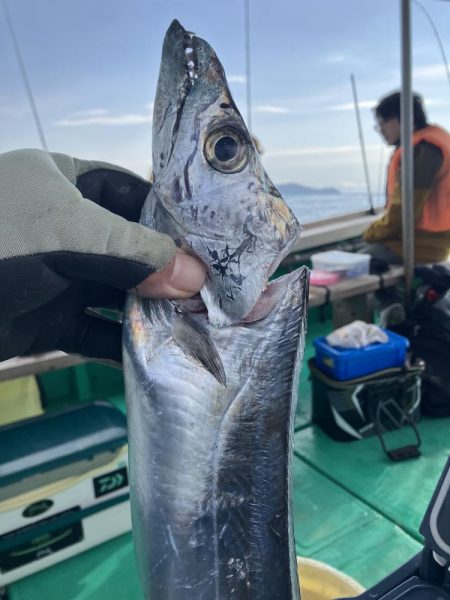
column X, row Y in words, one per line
column 318, row 581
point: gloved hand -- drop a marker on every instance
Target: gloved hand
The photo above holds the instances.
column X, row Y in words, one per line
column 68, row 242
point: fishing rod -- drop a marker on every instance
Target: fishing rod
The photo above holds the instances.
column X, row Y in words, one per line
column 25, row 78
column 361, row 141
column 248, row 65
column 438, row 38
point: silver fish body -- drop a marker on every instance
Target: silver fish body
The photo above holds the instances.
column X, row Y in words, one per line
column 211, row 464
column 211, row 385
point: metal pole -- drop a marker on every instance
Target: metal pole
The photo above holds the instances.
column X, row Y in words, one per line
column 26, row 81
column 407, row 148
column 361, row 141
column 248, row 65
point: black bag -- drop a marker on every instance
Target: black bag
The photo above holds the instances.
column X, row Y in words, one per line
column 427, row 327
column 371, row 405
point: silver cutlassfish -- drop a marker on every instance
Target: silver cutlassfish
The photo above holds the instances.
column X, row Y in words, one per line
column 211, row 383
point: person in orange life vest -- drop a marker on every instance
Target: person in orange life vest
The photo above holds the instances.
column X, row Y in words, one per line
column 431, row 147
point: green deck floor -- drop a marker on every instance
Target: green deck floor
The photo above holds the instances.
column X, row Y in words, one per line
column 400, row 492
column 328, row 521
column 353, row 509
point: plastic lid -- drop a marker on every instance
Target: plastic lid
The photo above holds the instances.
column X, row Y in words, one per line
column 323, row 277
column 338, row 256
column 42, row 443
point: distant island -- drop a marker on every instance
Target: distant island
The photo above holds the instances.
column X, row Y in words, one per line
column 295, row 189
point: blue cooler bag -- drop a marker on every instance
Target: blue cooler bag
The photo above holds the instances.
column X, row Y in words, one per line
column 373, row 404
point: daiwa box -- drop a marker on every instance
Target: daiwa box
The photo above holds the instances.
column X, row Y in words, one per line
column 63, row 486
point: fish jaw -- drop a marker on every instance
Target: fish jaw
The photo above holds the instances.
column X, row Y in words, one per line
column 211, row 192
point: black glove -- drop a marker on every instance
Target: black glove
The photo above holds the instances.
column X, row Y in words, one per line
column 69, row 240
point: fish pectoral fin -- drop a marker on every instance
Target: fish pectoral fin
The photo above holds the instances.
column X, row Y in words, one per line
column 195, row 341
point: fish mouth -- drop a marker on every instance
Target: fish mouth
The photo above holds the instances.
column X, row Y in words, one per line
column 190, row 53
column 198, row 56
column 189, row 41
column 269, row 299
column 180, row 49
column 275, row 291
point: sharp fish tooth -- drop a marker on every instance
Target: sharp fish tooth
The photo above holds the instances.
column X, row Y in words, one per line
column 191, row 64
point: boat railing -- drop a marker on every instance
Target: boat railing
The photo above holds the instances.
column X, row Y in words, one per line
column 35, row 364
column 319, row 233
column 329, row 232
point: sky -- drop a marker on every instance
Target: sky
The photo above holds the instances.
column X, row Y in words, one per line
column 93, row 67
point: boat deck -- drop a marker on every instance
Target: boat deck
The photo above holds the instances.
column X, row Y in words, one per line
column 353, row 508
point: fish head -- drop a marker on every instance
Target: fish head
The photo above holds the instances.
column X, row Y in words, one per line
column 211, row 193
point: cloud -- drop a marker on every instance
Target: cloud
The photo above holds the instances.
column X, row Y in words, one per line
column 91, row 112
column 436, row 71
column 351, row 106
column 268, row 108
column 316, row 150
column 335, row 58
column 99, row 116
column 436, row 102
column 236, row 78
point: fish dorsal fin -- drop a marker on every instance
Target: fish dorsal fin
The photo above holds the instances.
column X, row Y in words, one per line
column 195, row 341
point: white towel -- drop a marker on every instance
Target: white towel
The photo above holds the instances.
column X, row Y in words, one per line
column 357, row 335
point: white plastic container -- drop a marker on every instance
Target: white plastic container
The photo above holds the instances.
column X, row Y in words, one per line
column 347, row 264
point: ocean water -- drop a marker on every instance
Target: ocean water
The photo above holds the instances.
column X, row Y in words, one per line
column 314, row 207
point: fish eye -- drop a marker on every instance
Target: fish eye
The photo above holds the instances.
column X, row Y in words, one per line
column 226, row 150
